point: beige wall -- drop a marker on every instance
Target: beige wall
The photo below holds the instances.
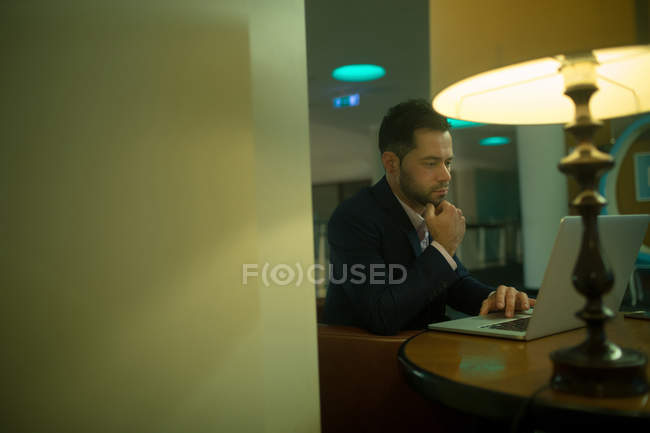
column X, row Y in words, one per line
column 152, row 149
column 470, row 36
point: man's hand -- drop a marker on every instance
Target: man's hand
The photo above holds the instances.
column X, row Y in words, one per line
column 446, row 225
column 508, row 299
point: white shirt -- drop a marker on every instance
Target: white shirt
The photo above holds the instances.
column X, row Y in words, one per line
column 421, row 227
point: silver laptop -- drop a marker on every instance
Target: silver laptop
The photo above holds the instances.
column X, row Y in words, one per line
column 558, row 301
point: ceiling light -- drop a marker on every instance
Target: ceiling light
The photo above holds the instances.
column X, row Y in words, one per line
column 494, row 141
column 358, row 73
column 459, row 124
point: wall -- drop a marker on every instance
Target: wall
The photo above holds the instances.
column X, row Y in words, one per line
column 342, row 155
column 148, row 157
column 544, row 195
column 467, row 37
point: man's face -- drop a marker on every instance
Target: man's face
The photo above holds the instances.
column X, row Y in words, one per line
column 425, row 171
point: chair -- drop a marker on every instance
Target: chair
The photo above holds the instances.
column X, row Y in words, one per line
column 362, row 388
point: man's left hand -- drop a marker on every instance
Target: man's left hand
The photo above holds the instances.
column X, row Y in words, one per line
column 506, row 298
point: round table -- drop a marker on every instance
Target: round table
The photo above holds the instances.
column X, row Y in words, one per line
column 497, row 379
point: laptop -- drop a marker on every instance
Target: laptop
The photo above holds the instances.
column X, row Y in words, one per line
column 557, row 300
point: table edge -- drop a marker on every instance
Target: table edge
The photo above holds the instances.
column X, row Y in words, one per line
column 470, row 399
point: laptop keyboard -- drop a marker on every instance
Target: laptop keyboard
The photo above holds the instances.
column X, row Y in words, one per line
column 512, row 325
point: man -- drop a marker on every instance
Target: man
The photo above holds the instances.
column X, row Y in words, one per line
column 403, row 223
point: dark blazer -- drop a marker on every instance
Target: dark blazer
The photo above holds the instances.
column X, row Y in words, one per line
column 372, row 228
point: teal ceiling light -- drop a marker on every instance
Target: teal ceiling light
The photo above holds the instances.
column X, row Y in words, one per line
column 494, row 141
column 358, row 73
column 459, row 124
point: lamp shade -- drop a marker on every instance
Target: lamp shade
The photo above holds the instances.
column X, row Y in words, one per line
column 532, row 92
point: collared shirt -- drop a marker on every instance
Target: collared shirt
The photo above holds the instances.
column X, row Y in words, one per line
column 423, row 233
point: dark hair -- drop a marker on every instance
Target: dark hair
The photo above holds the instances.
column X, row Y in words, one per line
column 401, row 121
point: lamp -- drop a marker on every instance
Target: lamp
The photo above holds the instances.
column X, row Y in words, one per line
column 575, row 90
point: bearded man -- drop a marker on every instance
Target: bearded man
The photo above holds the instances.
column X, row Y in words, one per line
column 393, row 245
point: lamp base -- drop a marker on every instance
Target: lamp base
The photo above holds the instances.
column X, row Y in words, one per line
column 622, row 375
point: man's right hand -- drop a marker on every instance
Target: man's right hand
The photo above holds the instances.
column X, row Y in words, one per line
column 446, row 225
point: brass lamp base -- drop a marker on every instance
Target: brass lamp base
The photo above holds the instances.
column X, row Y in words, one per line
column 621, row 374
column 597, row 367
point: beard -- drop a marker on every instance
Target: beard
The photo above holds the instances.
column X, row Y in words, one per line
column 417, row 193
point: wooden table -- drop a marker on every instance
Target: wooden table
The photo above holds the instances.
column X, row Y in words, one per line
column 495, row 378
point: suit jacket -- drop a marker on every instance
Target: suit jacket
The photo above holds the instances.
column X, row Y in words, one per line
column 366, row 234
